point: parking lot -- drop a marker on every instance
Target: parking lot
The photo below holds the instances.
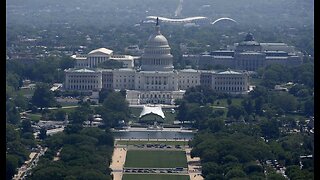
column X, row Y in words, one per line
column 158, row 146
column 178, row 170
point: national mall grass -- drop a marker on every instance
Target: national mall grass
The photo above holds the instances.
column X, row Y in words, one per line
column 154, row 177
column 155, row 159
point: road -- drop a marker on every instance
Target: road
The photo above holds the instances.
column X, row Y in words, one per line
column 28, row 165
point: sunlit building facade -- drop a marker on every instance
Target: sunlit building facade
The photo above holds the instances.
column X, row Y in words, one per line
column 155, row 81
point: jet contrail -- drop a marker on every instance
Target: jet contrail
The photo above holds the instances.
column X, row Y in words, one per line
column 179, row 9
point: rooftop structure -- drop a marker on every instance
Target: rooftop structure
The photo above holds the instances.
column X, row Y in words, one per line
column 104, row 51
column 156, row 110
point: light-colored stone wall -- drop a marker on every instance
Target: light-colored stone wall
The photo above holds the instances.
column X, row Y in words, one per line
column 83, row 81
column 188, row 79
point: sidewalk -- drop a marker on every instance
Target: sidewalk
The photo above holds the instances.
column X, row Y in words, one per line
column 118, row 160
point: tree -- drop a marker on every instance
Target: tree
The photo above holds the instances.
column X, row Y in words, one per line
column 229, row 101
column 182, row 111
column 216, row 124
column 103, row 94
column 13, row 116
column 235, row 173
column 270, row 128
column 49, row 172
column 258, row 105
column 21, row 101
column 248, row 105
column 210, row 168
column 285, row 101
column 42, row 96
column 10, row 92
column 60, row 115
column 259, row 91
column 92, row 175
column 275, row 176
column 43, row 133
column 252, row 167
column 78, row 117
column 11, row 133
column 26, row 126
column 11, row 166
column 116, row 102
column 13, row 80
column 236, row 111
column 115, row 107
column 294, row 172
column 66, row 62
column 309, row 107
column 73, row 128
column 81, row 113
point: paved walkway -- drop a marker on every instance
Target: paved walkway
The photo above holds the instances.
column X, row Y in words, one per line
column 118, row 160
column 194, row 166
column 29, row 164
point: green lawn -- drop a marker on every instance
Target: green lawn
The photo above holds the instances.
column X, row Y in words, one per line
column 172, row 143
column 154, row 177
column 66, row 110
column 170, row 117
column 68, row 103
column 155, row 159
column 34, row 117
column 223, row 102
column 26, row 92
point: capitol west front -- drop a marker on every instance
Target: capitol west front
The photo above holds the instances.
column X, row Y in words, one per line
column 155, row 81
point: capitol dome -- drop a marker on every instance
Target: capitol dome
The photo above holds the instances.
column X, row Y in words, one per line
column 157, row 39
column 157, row 56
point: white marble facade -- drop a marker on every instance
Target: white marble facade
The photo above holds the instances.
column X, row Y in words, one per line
column 155, row 81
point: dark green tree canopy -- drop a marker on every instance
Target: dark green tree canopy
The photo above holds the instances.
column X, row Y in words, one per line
column 42, row 96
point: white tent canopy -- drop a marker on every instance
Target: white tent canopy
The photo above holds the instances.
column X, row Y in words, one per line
column 157, row 110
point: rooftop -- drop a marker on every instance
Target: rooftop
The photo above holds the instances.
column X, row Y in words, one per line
column 121, row 57
column 229, row 72
column 101, row 50
column 80, row 70
column 188, row 70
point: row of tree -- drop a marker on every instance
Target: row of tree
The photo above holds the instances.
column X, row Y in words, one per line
column 276, row 74
column 48, row 70
column 85, row 154
column 234, row 152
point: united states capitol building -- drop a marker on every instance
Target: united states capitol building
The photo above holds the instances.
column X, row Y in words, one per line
column 155, row 80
